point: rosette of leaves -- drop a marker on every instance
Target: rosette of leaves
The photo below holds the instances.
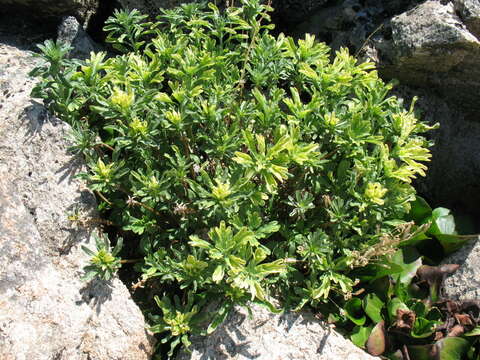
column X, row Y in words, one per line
column 399, row 312
column 242, row 165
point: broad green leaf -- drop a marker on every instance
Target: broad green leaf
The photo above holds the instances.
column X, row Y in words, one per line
column 360, row 335
column 443, row 222
column 474, row 332
column 451, row 243
column 409, row 260
column 354, row 312
column 420, row 352
column 373, row 307
column 452, row 348
column 419, row 211
column 423, row 328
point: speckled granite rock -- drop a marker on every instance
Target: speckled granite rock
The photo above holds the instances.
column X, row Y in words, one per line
column 71, row 32
column 431, row 47
column 464, row 284
column 46, row 311
column 266, row 336
column 469, row 11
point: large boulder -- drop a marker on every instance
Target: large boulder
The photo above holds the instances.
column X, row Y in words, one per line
column 72, row 33
column 266, row 336
column 431, row 47
column 46, row 310
column 469, row 12
column 51, row 9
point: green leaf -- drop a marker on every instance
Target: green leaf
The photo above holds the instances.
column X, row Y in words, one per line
column 420, row 352
column 354, row 312
column 409, row 260
column 451, row 243
column 443, row 222
column 218, row 274
column 452, row 348
column 392, row 307
column 419, row 211
column 197, row 242
column 373, row 307
column 423, row 328
column 474, row 332
column 220, row 316
column 375, row 271
column 360, row 335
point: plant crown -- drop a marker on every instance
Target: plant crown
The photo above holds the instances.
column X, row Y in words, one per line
column 240, row 165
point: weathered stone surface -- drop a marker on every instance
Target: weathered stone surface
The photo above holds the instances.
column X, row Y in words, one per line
column 71, row 32
column 464, row 284
column 452, row 176
column 46, row 311
column 432, row 47
column 51, row 9
column 266, row 336
column 349, row 23
column 469, row 12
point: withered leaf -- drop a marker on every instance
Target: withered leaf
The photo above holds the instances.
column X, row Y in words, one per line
column 432, row 274
column 464, row 319
column 457, row 330
column 377, row 341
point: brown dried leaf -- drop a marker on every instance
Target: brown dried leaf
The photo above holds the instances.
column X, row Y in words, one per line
column 463, row 319
column 433, row 274
column 377, row 341
column 457, row 330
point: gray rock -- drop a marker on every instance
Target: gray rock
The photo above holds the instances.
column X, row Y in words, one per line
column 51, row 9
column 71, row 32
column 464, row 284
column 431, row 47
column 46, row 311
column 266, row 336
column 469, row 11
column 452, row 176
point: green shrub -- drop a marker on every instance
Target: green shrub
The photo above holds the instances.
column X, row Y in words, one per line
column 240, row 165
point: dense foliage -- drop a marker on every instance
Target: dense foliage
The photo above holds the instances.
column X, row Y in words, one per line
column 238, row 165
column 400, row 311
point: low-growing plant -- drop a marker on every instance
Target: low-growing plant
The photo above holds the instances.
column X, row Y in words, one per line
column 240, row 165
column 400, row 312
column 104, row 263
